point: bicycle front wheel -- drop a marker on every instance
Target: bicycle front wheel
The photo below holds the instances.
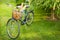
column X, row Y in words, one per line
column 13, row 29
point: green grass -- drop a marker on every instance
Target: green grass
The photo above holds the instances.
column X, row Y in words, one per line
column 38, row 30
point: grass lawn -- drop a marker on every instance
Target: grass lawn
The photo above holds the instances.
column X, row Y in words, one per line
column 38, row 30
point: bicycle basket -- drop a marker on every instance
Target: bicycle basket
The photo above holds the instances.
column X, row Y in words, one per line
column 16, row 15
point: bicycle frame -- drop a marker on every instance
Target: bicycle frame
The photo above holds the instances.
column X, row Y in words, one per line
column 16, row 22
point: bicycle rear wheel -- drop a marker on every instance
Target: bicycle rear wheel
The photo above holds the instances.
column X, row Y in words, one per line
column 13, row 28
column 29, row 18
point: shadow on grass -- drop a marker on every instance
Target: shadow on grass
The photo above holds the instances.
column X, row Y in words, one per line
column 39, row 30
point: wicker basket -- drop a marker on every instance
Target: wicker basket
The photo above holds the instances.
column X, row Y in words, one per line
column 16, row 15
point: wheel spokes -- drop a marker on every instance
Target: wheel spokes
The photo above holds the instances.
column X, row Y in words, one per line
column 29, row 18
column 13, row 29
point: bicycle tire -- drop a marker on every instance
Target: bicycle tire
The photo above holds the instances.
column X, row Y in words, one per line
column 27, row 21
column 9, row 30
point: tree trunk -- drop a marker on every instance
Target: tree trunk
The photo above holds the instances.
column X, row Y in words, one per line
column 53, row 15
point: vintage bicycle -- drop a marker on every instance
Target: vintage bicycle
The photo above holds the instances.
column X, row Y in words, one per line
column 13, row 24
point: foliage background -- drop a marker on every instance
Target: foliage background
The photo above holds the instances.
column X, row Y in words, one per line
column 40, row 29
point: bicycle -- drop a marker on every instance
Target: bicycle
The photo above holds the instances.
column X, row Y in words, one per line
column 13, row 24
